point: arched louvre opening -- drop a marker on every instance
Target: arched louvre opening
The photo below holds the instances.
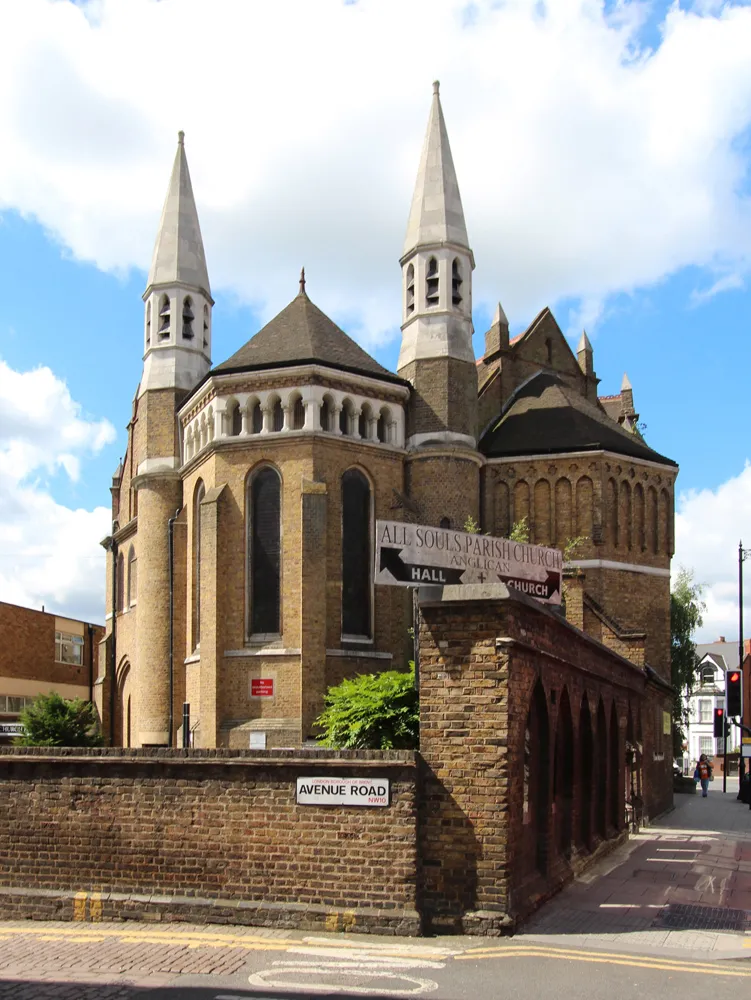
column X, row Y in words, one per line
column 265, row 537
column 236, row 420
column 132, row 577
column 196, row 603
column 120, row 582
column 431, row 283
column 188, row 317
column 357, row 571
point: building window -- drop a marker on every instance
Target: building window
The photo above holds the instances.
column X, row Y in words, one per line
column 707, row 676
column 188, row 317
column 235, row 420
column 68, row 648
column 256, row 419
column 456, row 283
column 410, row 289
column 265, row 550
column 205, row 326
column 11, row 704
column 148, row 324
column 132, row 577
column 196, row 616
column 431, row 283
column 164, row 318
column 298, row 415
column 120, row 588
column 357, row 572
column 277, row 416
column 704, row 710
column 327, row 414
column 706, row 745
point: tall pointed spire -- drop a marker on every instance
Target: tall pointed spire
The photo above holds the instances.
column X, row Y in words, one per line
column 178, row 252
column 436, row 215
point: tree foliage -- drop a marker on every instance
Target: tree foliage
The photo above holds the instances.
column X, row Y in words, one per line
column 372, row 712
column 686, row 615
column 52, row 721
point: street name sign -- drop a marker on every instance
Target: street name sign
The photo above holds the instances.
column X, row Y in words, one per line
column 412, row 555
column 343, row 791
column 11, row 729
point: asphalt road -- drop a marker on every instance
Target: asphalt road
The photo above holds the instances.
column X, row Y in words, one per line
column 168, row 962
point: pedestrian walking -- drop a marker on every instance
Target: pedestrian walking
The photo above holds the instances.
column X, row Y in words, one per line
column 703, row 774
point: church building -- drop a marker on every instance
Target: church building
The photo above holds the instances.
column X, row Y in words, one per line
column 240, row 566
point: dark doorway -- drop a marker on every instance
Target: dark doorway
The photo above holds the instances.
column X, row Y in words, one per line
column 563, row 780
column 586, row 775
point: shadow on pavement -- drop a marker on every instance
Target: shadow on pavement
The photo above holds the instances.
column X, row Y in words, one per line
column 50, row 989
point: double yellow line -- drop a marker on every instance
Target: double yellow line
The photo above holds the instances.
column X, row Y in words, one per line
column 606, row 957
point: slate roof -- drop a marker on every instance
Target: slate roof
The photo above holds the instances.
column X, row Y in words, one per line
column 302, row 334
column 546, row 416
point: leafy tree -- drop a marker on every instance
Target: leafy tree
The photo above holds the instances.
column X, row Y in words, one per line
column 686, row 615
column 51, row 721
column 372, row 712
column 520, row 530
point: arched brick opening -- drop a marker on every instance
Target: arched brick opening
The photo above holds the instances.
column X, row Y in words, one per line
column 586, row 775
column 601, row 783
column 537, row 780
column 563, row 777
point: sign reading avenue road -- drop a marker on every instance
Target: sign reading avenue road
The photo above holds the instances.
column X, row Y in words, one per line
column 409, row 555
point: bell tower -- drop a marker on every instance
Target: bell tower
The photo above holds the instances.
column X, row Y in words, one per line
column 436, row 352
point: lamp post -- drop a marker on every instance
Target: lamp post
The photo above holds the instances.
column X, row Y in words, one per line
column 743, row 554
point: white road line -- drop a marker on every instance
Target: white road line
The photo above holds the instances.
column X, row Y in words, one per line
column 417, row 986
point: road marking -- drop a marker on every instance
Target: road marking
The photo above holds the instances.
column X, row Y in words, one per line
column 79, row 906
column 608, row 958
column 417, row 987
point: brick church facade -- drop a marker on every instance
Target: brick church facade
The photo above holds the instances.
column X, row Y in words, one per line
column 240, row 565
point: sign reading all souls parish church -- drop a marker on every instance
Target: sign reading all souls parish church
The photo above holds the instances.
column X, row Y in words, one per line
column 343, row 791
column 409, row 555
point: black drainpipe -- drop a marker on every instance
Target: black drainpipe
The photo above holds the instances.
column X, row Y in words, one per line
column 113, row 650
column 171, row 560
column 91, row 663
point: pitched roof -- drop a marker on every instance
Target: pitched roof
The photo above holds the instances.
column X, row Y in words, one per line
column 301, row 333
column 547, row 416
column 178, row 251
column 436, row 215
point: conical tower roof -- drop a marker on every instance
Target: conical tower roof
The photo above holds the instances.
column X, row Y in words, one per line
column 178, row 251
column 436, row 215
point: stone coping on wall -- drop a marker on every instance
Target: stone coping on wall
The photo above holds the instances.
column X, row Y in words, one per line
column 305, row 756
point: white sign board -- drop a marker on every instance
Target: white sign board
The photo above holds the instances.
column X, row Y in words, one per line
column 11, row 729
column 343, row 791
column 746, row 750
column 410, row 555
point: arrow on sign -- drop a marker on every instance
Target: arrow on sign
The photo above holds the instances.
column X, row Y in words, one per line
column 414, row 572
column 536, row 588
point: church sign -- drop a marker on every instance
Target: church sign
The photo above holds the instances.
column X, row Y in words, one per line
column 413, row 555
column 343, row 791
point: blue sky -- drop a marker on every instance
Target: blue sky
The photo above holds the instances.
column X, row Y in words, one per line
column 603, row 154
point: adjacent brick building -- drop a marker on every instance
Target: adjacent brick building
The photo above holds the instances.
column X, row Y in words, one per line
column 239, row 571
column 41, row 652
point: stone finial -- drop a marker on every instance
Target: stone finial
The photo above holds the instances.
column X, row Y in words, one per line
column 584, row 344
column 436, row 87
column 626, row 383
column 302, row 281
column 181, row 137
column 500, row 318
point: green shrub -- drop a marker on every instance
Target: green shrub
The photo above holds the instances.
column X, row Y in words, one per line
column 372, row 712
column 51, row 721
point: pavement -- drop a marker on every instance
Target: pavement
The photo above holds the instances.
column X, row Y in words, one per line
column 669, row 912
column 681, row 887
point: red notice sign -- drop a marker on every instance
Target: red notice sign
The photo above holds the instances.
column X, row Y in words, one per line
column 261, row 687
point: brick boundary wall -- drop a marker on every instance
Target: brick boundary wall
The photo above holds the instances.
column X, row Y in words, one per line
column 205, row 836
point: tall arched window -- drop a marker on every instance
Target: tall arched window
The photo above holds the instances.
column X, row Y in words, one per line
column 120, row 582
column 327, row 414
column 188, row 317
column 236, row 420
column 431, row 283
column 148, row 324
column 132, row 577
column 164, row 318
column 256, row 418
column 277, row 416
column 196, row 616
column 265, row 550
column 357, row 572
column 298, row 415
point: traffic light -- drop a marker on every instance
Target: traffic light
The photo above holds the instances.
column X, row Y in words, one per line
column 733, row 693
column 719, row 722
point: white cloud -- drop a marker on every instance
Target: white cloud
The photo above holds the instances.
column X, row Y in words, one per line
column 49, row 554
column 708, row 526
column 588, row 164
column 726, row 283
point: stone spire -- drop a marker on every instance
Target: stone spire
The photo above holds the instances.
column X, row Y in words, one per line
column 436, row 216
column 178, row 252
column 177, row 310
